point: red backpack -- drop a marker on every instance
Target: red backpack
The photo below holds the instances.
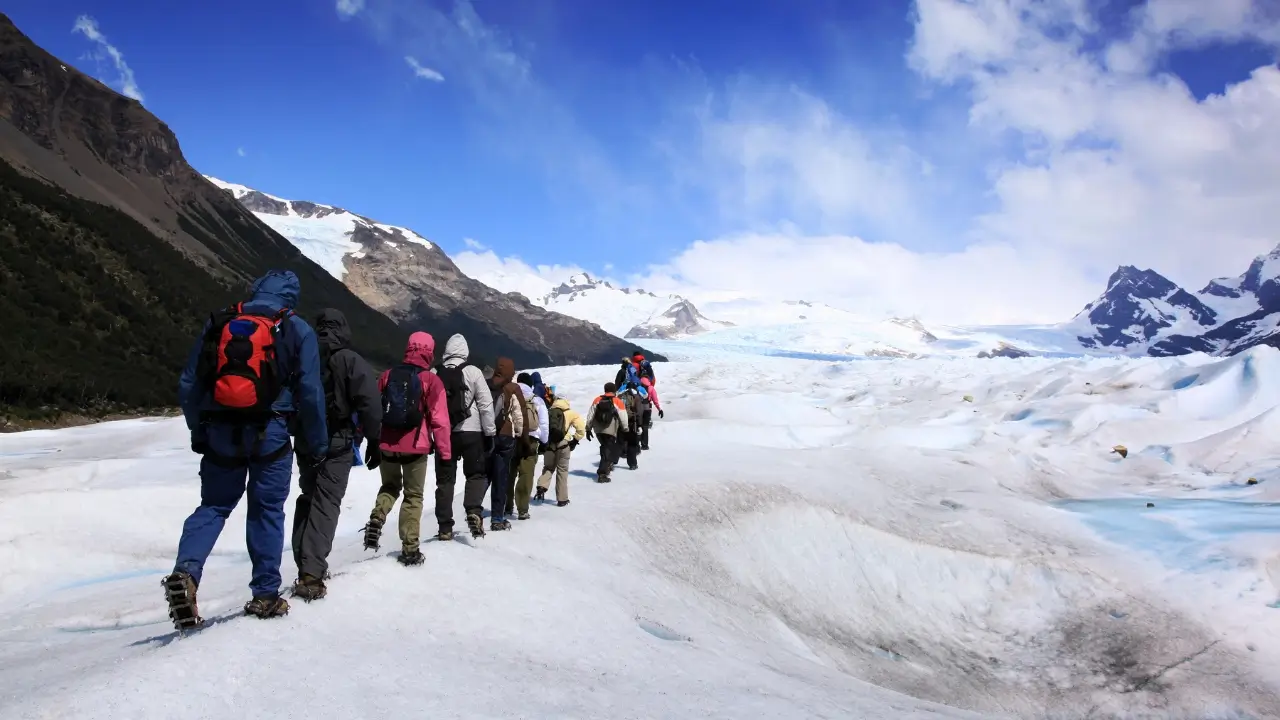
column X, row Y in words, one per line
column 239, row 363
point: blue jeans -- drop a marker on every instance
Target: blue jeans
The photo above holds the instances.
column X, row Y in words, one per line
column 268, row 471
column 504, row 446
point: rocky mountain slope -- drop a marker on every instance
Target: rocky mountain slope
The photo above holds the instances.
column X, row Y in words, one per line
column 1142, row 312
column 409, row 278
column 116, row 249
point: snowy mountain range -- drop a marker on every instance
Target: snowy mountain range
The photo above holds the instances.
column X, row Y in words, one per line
column 1142, row 312
column 622, row 311
column 400, row 273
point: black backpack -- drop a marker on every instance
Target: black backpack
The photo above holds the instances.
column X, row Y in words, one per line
column 557, row 428
column 455, row 393
column 605, row 415
column 402, row 398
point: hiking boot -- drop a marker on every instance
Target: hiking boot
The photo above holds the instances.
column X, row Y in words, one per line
column 633, row 467
column 510, row 510
column 267, row 606
column 561, row 503
column 476, row 525
column 644, row 447
column 410, row 558
column 496, row 524
column 372, row 534
column 523, row 516
column 541, row 494
column 308, row 588
column 180, row 593
column 445, row 534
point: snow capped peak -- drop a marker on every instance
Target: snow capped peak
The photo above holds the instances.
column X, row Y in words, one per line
column 1138, row 306
column 326, row 234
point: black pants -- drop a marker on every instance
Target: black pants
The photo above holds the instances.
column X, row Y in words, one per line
column 468, row 446
column 504, row 447
column 645, row 421
column 629, row 444
column 608, row 454
column 315, row 517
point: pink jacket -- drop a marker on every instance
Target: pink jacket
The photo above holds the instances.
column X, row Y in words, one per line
column 653, row 393
column 435, row 414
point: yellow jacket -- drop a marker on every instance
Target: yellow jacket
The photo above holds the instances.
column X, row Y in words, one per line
column 575, row 424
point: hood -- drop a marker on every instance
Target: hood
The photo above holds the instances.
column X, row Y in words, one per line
column 539, row 387
column 332, row 330
column 504, row 370
column 560, row 403
column 421, row 350
column 528, row 391
column 278, row 287
column 456, row 349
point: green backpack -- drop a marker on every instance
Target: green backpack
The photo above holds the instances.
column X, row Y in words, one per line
column 558, row 427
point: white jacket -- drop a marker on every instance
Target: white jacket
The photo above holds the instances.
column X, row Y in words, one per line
column 544, row 418
column 476, row 393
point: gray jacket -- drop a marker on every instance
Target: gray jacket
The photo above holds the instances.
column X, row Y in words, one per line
column 476, row 395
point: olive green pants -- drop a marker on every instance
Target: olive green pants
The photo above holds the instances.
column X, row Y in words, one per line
column 522, row 468
column 407, row 473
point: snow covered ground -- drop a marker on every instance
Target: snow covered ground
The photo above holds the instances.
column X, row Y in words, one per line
column 872, row 538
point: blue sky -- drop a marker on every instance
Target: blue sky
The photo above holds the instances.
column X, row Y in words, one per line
column 901, row 137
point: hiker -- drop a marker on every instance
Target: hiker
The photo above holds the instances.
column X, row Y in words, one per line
column 633, row 398
column 415, row 422
column 606, row 419
column 652, row 403
column 508, row 413
column 539, row 387
column 353, row 409
column 560, row 444
column 528, row 449
column 633, row 369
column 471, row 418
column 254, row 367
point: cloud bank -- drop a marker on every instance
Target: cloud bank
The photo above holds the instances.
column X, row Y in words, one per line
column 124, row 81
column 1087, row 155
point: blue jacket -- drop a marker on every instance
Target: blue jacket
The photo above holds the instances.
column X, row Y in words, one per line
column 299, row 358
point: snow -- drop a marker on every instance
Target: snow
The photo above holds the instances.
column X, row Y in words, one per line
column 863, row 538
column 326, row 240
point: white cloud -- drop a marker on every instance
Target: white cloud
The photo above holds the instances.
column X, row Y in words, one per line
column 473, row 244
column 125, row 81
column 531, row 281
column 425, row 73
column 349, row 8
column 240, row 151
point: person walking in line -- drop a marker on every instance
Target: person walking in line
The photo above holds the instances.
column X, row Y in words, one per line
column 606, row 420
column 654, row 404
column 629, row 441
column 415, row 422
column 471, row 417
column 564, row 429
column 254, row 368
column 508, row 412
column 353, row 407
column 529, row 449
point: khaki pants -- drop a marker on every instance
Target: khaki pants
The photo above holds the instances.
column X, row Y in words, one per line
column 522, row 467
column 407, row 473
column 556, row 459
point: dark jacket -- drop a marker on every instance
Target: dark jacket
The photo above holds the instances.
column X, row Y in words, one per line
column 354, row 385
column 298, row 356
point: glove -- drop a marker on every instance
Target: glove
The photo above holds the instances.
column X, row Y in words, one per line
column 589, row 438
column 543, row 448
column 661, row 414
column 373, row 455
column 199, row 447
column 573, row 444
column 489, row 444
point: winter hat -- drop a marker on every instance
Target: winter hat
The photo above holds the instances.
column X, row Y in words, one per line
column 524, row 379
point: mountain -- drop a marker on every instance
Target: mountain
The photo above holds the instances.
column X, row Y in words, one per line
column 409, row 278
column 1140, row 307
column 1251, row 301
column 115, row 250
column 626, row 312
